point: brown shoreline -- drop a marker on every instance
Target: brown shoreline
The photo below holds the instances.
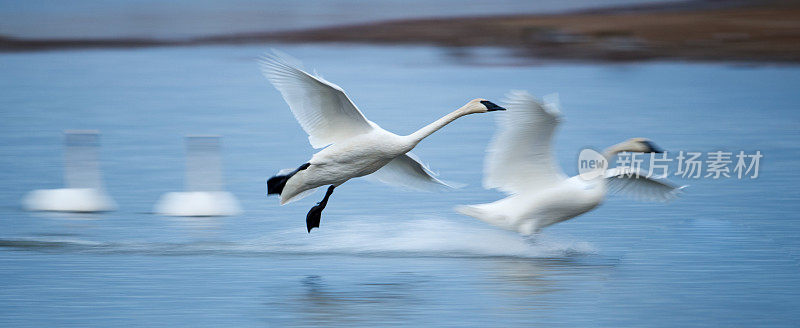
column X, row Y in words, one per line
column 700, row 30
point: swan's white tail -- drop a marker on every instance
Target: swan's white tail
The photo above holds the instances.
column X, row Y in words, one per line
column 276, row 184
column 480, row 212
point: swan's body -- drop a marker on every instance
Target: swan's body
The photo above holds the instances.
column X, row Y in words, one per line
column 354, row 146
column 529, row 212
column 84, row 191
column 85, row 200
column 520, row 163
column 354, row 157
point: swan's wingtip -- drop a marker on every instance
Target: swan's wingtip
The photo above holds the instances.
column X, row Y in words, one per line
column 463, row 209
column 276, row 57
column 679, row 191
column 469, row 210
column 552, row 103
column 673, row 194
column 453, row 185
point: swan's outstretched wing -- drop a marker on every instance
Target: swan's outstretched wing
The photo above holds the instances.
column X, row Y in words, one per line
column 636, row 185
column 408, row 171
column 322, row 108
column 520, row 157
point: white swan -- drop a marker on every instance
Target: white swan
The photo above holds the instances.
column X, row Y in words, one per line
column 204, row 191
column 520, row 162
column 84, row 191
column 355, row 146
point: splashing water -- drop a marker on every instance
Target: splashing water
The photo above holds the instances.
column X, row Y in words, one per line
column 413, row 238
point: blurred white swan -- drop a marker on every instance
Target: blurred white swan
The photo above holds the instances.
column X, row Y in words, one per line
column 84, row 191
column 204, row 193
column 355, row 146
column 520, row 162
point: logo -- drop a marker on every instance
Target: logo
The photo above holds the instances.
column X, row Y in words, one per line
column 591, row 164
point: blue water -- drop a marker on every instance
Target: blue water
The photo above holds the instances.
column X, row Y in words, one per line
column 725, row 254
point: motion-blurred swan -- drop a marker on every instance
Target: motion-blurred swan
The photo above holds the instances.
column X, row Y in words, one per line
column 355, row 146
column 520, row 163
column 84, row 191
column 204, row 191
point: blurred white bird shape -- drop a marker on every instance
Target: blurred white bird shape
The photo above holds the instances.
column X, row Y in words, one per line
column 84, row 190
column 354, row 146
column 520, row 162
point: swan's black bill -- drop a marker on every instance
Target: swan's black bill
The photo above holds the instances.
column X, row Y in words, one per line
column 653, row 147
column 275, row 184
column 491, row 106
column 315, row 214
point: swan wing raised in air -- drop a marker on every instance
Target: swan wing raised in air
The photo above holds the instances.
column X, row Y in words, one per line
column 520, row 157
column 321, row 107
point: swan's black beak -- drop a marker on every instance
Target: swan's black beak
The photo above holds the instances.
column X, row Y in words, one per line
column 490, row 106
column 653, row 147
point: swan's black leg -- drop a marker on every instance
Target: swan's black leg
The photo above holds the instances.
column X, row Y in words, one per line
column 275, row 184
column 315, row 214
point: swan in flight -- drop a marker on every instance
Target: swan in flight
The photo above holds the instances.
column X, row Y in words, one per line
column 520, row 162
column 354, row 146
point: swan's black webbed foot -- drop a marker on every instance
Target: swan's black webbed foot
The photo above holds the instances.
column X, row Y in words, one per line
column 315, row 214
column 275, row 184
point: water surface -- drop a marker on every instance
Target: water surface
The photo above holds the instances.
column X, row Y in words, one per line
column 725, row 254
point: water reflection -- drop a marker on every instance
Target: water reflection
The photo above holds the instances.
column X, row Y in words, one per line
column 322, row 302
column 530, row 277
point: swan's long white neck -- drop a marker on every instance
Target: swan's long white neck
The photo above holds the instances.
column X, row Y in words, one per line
column 612, row 151
column 429, row 129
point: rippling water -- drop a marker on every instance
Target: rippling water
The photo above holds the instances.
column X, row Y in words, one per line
column 724, row 254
